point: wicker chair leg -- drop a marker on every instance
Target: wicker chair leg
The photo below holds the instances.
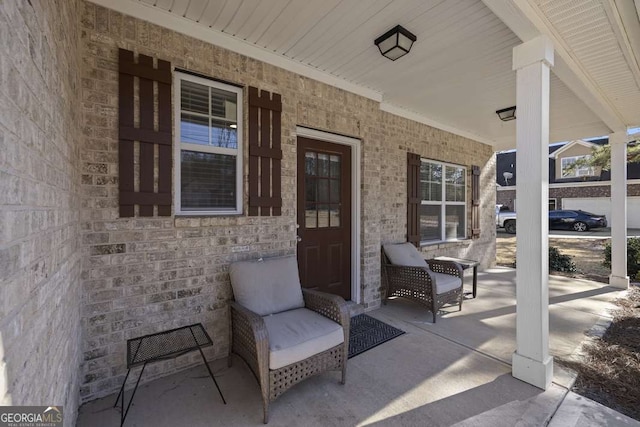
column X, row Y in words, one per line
column 434, row 315
column 344, row 373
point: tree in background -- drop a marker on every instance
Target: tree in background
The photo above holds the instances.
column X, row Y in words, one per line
column 601, row 157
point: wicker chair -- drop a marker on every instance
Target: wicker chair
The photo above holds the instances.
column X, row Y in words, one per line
column 270, row 304
column 431, row 283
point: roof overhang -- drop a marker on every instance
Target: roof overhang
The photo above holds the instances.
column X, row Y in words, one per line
column 459, row 71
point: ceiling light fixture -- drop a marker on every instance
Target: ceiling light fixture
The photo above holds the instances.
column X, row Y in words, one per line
column 507, row 114
column 395, row 43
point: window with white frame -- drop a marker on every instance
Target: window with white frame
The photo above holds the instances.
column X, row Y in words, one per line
column 443, row 209
column 566, row 162
column 208, row 166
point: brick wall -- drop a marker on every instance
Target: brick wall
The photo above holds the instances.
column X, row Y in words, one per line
column 506, row 197
column 40, row 292
column 141, row 275
column 403, row 135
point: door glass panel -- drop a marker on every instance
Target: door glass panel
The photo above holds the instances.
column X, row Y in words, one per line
column 335, row 166
column 334, row 216
column 323, row 216
column 335, row 191
column 310, row 164
column 310, row 216
column 310, row 190
column 323, row 190
column 323, row 164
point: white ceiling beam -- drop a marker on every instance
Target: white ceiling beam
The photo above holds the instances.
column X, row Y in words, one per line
column 527, row 22
column 192, row 29
column 626, row 25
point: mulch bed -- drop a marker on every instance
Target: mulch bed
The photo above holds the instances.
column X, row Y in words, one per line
column 609, row 371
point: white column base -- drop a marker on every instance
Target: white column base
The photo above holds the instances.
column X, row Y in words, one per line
column 532, row 371
column 619, row 282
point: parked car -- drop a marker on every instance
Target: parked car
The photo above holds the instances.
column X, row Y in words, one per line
column 505, row 219
column 575, row 220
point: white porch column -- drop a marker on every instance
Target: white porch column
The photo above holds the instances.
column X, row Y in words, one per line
column 531, row 360
column 618, row 143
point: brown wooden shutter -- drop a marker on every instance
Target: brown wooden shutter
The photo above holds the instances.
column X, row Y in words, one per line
column 413, row 199
column 265, row 153
column 145, row 133
column 475, row 202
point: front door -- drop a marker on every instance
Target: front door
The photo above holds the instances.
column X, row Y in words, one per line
column 324, row 216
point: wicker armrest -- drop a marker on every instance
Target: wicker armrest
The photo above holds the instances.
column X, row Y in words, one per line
column 446, row 267
column 249, row 328
column 331, row 306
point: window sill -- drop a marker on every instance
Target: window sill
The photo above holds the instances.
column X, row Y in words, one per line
column 210, row 213
column 207, row 215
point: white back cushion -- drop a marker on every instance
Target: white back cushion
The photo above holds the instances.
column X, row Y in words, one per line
column 404, row 254
column 267, row 286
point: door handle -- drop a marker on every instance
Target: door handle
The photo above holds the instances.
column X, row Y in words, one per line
column 298, row 239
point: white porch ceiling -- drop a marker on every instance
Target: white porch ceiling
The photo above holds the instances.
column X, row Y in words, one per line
column 459, row 70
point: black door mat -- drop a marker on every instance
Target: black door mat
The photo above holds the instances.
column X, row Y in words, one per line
column 366, row 333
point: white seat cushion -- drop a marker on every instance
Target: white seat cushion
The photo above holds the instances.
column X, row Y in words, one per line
column 404, row 254
column 445, row 282
column 298, row 334
column 267, row 286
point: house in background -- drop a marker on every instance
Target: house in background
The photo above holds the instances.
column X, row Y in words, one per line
column 587, row 188
column 149, row 144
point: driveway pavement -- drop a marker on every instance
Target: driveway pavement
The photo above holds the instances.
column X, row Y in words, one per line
column 597, row 233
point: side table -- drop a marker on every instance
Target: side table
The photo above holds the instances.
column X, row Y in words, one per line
column 160, row 346
column 465, row 264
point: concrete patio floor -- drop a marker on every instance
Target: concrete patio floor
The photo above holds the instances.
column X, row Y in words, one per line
column 454, row 372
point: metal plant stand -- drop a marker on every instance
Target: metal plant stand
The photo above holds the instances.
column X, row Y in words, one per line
column 161, row 346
